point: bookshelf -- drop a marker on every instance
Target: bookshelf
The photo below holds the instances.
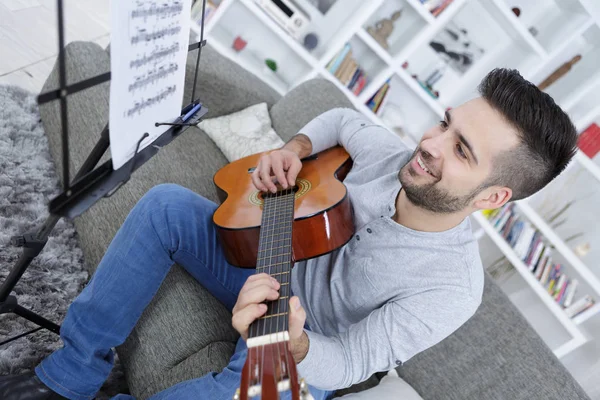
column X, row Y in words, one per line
column 562, row 30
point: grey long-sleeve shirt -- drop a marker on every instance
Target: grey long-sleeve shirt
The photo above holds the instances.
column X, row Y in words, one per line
column 390, row 292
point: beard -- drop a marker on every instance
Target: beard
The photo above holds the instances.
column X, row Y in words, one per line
column 430, row 196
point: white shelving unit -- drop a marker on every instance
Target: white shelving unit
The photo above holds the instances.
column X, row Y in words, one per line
column 563, row 29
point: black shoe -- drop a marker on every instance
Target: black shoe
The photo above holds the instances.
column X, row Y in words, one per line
column 26, row 386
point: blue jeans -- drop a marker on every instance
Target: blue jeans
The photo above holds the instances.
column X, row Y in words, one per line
column 170, row 224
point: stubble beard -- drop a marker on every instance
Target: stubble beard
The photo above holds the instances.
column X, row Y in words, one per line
column 429, row 196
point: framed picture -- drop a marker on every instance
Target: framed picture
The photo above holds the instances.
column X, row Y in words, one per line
column 454, row 45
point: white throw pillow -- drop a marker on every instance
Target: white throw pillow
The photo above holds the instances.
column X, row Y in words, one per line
column 243, row 133
column 391, row 387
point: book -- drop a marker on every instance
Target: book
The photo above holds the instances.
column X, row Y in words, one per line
column 589, row 141
column 570, row 293
column 362, row 81
column 546, row 264
column 508, row 227
column 524, row 240
column 559, row 287
column 349, row 73
column 515, row 231
column 499, row 224
column 546, row 275
column 541, row 264
column 343, row 65
column 334, row 64
column 354, row 79
column 579, row 306
column 438, row 10
column 535, row 252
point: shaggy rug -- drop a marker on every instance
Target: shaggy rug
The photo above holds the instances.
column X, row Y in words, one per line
column 28, row 180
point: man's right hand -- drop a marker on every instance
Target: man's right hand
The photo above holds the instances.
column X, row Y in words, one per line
column 282, row 165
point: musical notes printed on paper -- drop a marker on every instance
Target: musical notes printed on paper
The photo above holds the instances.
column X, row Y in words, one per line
column 149, row 45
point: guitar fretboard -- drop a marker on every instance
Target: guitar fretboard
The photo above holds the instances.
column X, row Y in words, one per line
column 275, row 259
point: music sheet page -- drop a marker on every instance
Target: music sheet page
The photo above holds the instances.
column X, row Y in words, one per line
column 149, row 47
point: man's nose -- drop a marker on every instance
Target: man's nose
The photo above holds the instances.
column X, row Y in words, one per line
column 433, row 146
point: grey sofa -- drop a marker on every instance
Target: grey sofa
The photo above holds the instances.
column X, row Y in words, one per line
column 185, row 332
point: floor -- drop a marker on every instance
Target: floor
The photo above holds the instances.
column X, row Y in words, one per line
column 29, row 47
column 29, row 38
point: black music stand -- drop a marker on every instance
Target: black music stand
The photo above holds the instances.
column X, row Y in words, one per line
column 91, row 183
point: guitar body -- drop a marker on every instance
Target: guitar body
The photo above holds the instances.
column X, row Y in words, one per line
column 322, row 212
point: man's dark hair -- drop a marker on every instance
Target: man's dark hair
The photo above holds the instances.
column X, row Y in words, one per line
column 548, row 137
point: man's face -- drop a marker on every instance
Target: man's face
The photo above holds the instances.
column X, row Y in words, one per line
column 457, row 156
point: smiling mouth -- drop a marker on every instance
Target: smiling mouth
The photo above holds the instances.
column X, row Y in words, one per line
column 422, row 165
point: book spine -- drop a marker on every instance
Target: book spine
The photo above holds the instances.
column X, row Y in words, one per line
column 571, row 293
column 539, row 267
column 535, row 252
column 343, row 66
column 360, row 84
column 559, row 287
column 546, row 275
column 579, row 306
column 337, row 61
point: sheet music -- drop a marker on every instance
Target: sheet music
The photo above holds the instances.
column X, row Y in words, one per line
column 149, row 47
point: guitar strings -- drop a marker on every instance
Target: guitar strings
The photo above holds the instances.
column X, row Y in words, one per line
column 289, row 289
column 277, row 260
column 286, row 248
column 264, row 325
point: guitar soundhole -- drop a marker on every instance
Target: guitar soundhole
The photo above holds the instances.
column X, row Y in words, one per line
column 263, row 195
column 300, row 189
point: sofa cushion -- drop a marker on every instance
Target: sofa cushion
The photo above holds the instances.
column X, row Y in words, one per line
column 496, row 355
column 303, row 103
column 184, row 333
column 242, row 133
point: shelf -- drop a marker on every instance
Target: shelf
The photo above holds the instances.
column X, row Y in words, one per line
column 406, row 28
column 364, row 109
column 374, row 46
column 403, row 112
column 550, row 234
column 587, row 314
column 520, row 28
column 343, row 35
column 369, row 61
column 576, row 333
column 213, row 20
column 261, row 44
column 555, row 20
column 436, row 107
column 588, row 164
column 279, row 32
column 492, row 42
column 422, row 11
column 587, row 119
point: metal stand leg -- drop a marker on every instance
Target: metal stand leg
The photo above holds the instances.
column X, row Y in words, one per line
column 33, row 244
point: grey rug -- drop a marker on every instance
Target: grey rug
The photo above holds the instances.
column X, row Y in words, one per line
column 28, row 180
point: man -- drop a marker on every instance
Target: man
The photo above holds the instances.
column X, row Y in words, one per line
column 409, row 277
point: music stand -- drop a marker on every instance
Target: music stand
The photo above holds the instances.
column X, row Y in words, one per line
column 90, row 183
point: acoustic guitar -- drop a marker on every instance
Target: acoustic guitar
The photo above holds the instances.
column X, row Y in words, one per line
column 269, row 232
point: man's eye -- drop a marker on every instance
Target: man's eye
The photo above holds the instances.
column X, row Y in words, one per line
column 461, row 153
column 443, row 124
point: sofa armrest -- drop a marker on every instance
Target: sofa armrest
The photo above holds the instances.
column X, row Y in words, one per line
column 303, row 103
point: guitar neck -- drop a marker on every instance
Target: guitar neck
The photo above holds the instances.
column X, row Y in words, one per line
column 275, row 259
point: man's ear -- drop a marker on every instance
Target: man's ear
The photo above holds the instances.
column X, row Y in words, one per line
column 493, row 197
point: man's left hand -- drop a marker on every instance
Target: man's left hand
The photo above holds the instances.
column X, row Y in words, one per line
column 298, row 338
